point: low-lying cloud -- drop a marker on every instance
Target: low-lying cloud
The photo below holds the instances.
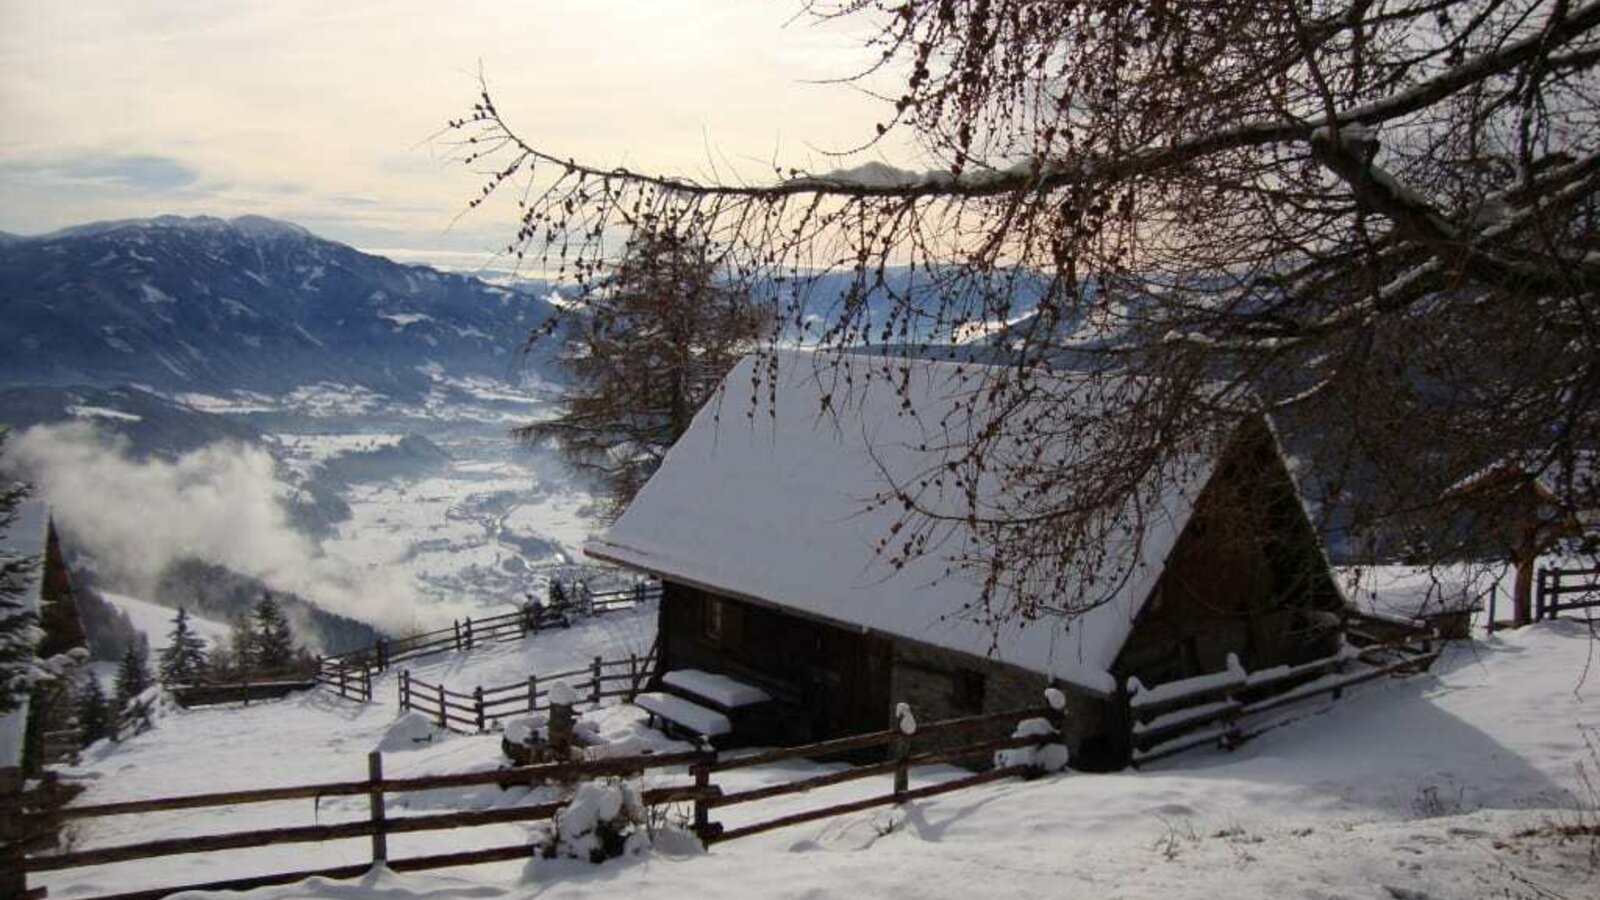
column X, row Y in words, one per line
column 222, row 503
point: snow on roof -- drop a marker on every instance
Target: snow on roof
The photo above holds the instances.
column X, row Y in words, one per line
column 776, row 507
column 25, row 537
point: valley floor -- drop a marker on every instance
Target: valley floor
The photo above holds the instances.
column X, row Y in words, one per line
column 1444, row 785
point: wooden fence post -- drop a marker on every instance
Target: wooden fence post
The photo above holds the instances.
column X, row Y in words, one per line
column 457, row 624
column 1494, row 595
column 594, row 693
column 380, row 840
column 902, row 766
column 702, row 810
column 633, row 675
column 477, row 702
column 366, row 683
column 383, row 655
column 444, row 720
column 468, row 628
column 1119, row 729
column 533, row 693
column 560, row 729
column 405, row 702
column 342, row 671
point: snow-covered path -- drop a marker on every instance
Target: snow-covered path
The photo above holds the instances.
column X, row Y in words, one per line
column 1413, row 788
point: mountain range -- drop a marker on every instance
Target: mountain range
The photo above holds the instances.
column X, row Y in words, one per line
column 254, row 304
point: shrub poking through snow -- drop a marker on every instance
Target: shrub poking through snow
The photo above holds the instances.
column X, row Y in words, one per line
column 1050, row 757
column 409, row 732
column 603, row 821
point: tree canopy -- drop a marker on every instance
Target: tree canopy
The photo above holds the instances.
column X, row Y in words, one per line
column 1373, row 220
column 183, row 659
column 655, row 337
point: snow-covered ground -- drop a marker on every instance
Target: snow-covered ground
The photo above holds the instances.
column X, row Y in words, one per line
column 1436, row 786
column 155, row 621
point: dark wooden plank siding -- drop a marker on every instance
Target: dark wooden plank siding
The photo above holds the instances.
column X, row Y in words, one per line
column 1247, row 576
column 835, row 681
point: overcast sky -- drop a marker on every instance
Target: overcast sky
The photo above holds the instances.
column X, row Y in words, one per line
column 321, row 112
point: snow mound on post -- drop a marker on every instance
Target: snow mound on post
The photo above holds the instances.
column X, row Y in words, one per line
column 563, row 694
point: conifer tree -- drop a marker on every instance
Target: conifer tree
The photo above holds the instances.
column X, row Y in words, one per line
column 241, row 645
column 94, row 715
column 272, row 643
column 19, row 628
column 133, row 676
column 183, row 660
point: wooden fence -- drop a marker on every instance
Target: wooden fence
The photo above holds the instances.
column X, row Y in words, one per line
column 248, row 687
column 1212, row 709
column 903, row 755
column 376, row 826
column 1583, row 585
column 465, row 634
column 698, row 789
column 478, row 709
column 351, row 680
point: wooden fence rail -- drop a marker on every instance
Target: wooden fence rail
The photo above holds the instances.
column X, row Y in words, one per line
column 700, row 791
column 377, row 825
column 477, row 710
column 351, row 680
column 465, row 634
column 1211, row 709
column 1554, row 584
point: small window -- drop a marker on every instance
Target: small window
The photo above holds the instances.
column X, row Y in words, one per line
column 969, row 690
column 714, row 620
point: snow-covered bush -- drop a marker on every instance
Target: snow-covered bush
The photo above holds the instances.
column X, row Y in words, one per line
column 603, row 821
column 1051, row 757
column 410, row 731
column 525, row 730
column 140, row 713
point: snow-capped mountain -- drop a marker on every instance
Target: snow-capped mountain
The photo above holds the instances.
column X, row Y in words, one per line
column 247, row 303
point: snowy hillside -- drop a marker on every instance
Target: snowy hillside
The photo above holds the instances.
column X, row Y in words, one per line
column 1439, row 786
column 155, row 621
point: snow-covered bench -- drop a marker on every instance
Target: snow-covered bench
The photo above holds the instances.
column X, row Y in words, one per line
column 690, row 717
column 723, row 692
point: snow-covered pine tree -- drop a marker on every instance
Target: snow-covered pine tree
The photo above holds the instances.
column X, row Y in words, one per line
column 133, row 676
column 95, row 719
column 19, row 628
column 272, row 643
column 241, row 647
column 183, row 660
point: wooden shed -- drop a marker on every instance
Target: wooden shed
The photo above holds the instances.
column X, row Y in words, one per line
column 761, row 529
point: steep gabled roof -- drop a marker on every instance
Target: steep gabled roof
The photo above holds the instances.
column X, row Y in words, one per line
column 770, row 497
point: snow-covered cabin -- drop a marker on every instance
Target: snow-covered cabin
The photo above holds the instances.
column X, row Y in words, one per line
column 762, row 530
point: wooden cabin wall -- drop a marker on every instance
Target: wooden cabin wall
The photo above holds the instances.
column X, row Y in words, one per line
column 1247, row 576
column 844, row 682
column 836, row 679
